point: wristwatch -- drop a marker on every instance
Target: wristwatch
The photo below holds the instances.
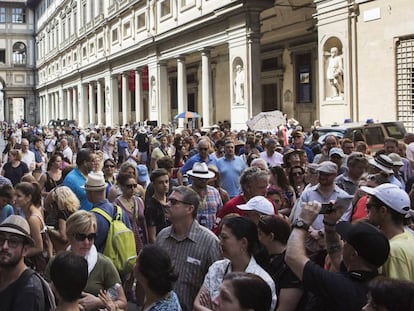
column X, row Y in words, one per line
column 300, row 224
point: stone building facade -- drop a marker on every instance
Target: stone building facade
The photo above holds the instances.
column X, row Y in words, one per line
column 112, row 62
column 17, row 63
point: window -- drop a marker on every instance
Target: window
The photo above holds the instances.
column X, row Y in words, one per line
column 84, row 14
column 405, row 82
column 2, row 56
column 84, row 51
column 19, row 53
column 64, row 29
column 18, row 15
column 141, row 21
column 114, row 35
column 100, row 43
column 165, row 7
column 69, row 25
column 127, row 29
column 2, row 15
column 74, row 56
column 91, row 48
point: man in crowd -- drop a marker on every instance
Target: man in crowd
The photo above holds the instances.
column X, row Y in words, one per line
column 387, row 207
column 230, row 167
column 95, row 192
column 66, row 150
column 299, row 143
column 357, row 165
column 20, row 287
column 203, row 155
column 28, row 156
column 330, row 142
column 76, row 179
column 192, row 248
column 210, row 202
column 270, row 155
column 324, row 192
column 365, row 248
column 37, row 145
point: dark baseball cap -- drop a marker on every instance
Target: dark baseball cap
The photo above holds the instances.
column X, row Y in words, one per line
column 369, row 242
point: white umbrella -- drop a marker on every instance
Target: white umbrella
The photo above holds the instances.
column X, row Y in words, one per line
column 266, row 120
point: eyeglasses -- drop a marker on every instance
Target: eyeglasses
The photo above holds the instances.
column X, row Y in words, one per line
column 82, row 236
column 11, row 241
column 109, row 166
column 203, row 149
column 175, row 201
column 131, row 186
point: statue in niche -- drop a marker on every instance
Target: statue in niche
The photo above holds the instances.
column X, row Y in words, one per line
column 335, row 72
column 153, row 93
column 239, row 86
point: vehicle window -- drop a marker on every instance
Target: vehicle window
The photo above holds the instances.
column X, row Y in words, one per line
column 394, row 130
column 374, row 135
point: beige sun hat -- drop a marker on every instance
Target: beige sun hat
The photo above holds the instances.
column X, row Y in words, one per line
column 17, row 225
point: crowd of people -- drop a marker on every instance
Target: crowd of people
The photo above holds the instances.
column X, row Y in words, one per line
column 220, row 220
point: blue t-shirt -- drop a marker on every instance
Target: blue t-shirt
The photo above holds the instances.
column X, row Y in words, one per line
column 75, row 181
column 5, row 212
column 230, row 171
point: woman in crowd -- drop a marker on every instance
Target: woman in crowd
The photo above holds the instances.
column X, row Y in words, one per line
column 215, row 182
column 53, row 176
column 274, row 233
column 133, row 206
column 243, row 291
column 6, row 199
column 115, row 190
column 387, row 294
column 81, row 233
column 15, row 168
column 278, row 178
column 28, row 198
column 297, row 179
column 97, row 161
column 131, row 154
column 293, row 157
column 109, row 169
column 240, row 245
column 65, row 203
column 155, row 273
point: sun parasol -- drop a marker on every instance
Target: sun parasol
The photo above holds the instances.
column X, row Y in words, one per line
column 266, row 120
column 187, row 115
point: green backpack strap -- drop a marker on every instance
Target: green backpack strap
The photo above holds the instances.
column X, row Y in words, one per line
column 102, row 213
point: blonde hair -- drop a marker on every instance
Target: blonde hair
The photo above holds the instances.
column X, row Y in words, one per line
column 65, row 199
column 80, row 222
column 16, row 153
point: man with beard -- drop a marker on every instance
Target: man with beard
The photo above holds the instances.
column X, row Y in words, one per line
column 20, row 287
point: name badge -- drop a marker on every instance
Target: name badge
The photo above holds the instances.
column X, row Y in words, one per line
column 193, row 261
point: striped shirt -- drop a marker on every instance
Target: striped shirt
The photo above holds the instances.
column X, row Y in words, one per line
column 191, row 256
column 208, row 208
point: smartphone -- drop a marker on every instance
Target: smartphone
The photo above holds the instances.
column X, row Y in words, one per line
column 326, row 208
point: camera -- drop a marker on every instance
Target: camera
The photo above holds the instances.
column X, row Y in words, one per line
column 327, row 208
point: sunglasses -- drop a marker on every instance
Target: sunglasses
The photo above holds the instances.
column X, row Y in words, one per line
column 82, row 236
column 297, row 173
column 175, row 201
column 11, row 242
column 131, row 186
column 109, row 166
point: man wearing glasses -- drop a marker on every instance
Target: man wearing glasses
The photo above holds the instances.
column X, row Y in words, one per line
column 20, row 287
column 203, row 156
column 192, row 247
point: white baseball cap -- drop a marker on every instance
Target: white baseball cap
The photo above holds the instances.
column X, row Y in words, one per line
column 392, row 196
column 258, row 204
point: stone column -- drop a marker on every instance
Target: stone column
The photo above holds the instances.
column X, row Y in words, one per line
column 125, row 94
column 206, row 87
column 138, row 95
column 115, row 101
column 181, row 88
column 163, row 102
column 91, row 103
column 47, row 107
column 69, row 104
column 75, row 104
column 82, row 111
column 99, row 102
column 62, row 113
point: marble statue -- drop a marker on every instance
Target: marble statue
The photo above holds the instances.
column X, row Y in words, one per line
column 239, row 86
column 334, row 72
